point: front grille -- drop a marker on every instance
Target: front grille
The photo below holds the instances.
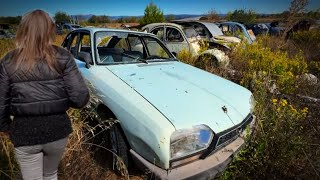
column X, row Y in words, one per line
column 224, row 139
column 227, row 136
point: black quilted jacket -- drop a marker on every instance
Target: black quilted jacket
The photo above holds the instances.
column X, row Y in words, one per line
column 38, row 99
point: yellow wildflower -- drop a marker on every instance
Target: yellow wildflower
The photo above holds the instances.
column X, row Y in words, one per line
column 305, row 109
column 294, row 111
column 274, row 101
column 283, row 102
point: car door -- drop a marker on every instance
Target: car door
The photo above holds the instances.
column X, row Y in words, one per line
column 159, row 32
column 76, row 42
column 175, row 40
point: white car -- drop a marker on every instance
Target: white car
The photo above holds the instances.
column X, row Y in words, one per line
column 176, row 120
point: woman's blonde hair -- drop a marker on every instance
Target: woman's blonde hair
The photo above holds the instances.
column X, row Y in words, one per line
column 34, row 39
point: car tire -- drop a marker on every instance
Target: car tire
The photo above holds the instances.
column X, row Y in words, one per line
column 114, row 141
column 122, row 160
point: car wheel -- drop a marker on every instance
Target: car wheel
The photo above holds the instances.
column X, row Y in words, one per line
column 109, row 144
column 121, row 158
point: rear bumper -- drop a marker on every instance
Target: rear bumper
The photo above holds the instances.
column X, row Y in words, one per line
column 200, row 169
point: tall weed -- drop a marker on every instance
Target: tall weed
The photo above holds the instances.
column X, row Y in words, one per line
column 285, row 143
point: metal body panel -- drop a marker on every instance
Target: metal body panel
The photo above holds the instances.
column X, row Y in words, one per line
column 145, row 127
column 188, row 96
column 234, row 26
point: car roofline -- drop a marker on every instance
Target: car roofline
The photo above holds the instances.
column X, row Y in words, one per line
column 95, row 29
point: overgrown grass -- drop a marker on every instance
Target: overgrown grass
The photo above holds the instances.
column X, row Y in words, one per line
column 286, row 141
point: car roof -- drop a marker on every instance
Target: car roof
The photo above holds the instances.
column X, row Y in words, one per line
column 95, row 29
column 212, row 27
column 161, row 24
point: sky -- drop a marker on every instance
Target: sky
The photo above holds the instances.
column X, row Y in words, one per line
column 136, row 7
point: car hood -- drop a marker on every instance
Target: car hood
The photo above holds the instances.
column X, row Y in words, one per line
column 230, row 39
column 187, row 96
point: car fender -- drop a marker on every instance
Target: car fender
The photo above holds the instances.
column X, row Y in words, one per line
column 147, row 130
column 221, row 57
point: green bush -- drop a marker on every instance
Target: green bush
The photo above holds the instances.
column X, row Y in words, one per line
column 186, row 56
column 152, row 14
column 258, row 58
column 309, row 43
column 242, row 16
column 283, row 145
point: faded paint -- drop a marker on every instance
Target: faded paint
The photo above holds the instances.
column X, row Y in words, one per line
column 221, row 57
column 249, row 36
column 138, row 118
column 174, row 92
column 230, row 39
column 153, row 100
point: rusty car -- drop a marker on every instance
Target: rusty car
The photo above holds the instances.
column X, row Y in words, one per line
column 177, row 38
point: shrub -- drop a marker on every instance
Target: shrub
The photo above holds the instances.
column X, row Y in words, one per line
column 5, row 46
column 309, row 43
column 242, row 16
column 258, row 58
column 152, row 14
column 186, row 56
column 284, row 143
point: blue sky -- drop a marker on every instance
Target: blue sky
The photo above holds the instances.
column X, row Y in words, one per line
column 136, row 7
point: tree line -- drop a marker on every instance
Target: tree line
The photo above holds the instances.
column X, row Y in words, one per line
column 153, row 13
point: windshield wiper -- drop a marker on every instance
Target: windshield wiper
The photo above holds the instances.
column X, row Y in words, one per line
column 135, row 58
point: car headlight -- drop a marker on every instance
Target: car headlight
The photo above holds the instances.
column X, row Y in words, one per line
column 190, row 141
column 252, row 104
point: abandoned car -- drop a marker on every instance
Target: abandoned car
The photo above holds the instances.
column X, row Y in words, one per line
column 178, row 38
column 6, row 34
column 210, row 32
column 237, row 29
column 176, row 120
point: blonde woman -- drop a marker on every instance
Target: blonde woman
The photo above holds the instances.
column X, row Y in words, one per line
column 39, row 82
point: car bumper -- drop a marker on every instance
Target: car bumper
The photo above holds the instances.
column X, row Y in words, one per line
column 200, row 169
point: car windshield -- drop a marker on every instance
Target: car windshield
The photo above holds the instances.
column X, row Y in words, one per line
column 75, row 26
column 122, row 48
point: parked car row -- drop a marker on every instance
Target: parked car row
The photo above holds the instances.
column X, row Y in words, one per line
column 176, row 120
column 182, row 35
column 66, row 27
column 6, row 34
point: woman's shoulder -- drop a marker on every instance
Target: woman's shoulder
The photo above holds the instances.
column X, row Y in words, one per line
column 62, row 53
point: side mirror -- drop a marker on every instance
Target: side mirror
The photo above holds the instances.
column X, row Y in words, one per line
column 85, row 57
column 174, row 53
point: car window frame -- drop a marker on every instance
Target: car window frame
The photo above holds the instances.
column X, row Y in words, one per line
column 77, row 33
column 178, row 29
column 159, row 27
column 94, row 44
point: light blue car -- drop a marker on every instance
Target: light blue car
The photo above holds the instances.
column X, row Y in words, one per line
column 174, row 119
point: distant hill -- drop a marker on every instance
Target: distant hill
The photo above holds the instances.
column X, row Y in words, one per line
column 176, row 16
